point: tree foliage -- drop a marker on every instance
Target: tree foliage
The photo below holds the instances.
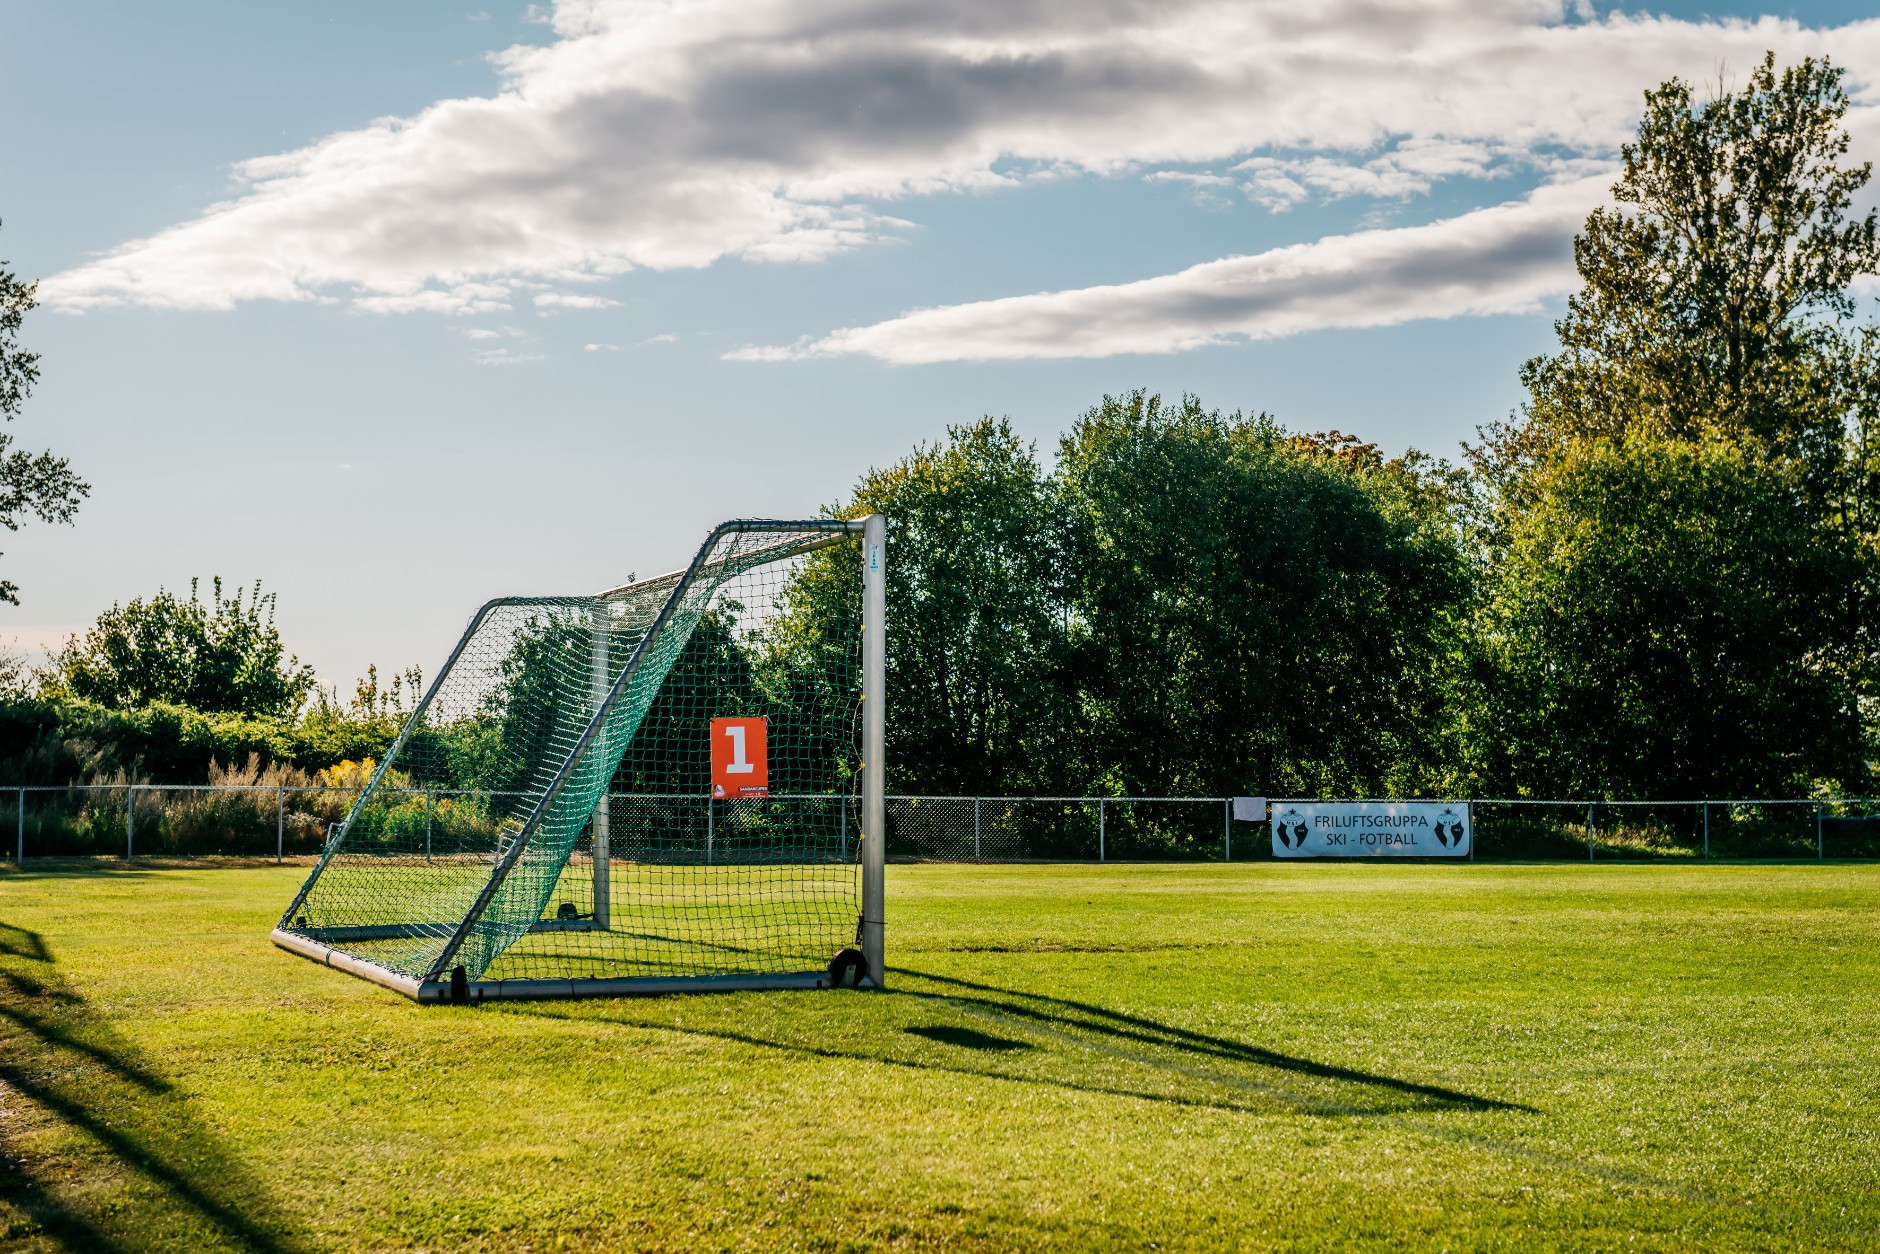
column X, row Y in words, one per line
column 1256, row 611
column 1668, row 623
column 1190, row 602
column 220, row 656
column 1715, row 296
column 978, row 626
column 1679, row 529
column 36, row 484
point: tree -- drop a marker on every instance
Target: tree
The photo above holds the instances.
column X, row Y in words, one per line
column 1715, row 296
column 30, row 483
column 977, row 626
column 1667, row 623
column 220, row 657
column 1715, row 311
column 1254, row 611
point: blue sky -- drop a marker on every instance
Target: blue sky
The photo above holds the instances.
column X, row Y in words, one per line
column 321, row 282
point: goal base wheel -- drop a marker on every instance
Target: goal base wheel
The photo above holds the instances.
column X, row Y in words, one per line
column 847, row 969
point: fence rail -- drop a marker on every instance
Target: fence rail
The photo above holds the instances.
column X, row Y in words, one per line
column 129, row 819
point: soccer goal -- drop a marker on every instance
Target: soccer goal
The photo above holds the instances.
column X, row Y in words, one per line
column 675, row 785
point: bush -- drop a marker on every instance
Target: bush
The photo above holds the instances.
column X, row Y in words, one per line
column 66, row 740
column 241, row 820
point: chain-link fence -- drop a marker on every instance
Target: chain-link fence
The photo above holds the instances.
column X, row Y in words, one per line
column 1059, row 829
column 1676, row 830
column 255, row 820
column 129, row 820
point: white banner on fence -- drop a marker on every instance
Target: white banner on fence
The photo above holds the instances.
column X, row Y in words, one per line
column 1371, row 829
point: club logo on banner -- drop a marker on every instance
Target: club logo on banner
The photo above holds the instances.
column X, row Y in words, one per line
column 1371, row 829
column 740, row 758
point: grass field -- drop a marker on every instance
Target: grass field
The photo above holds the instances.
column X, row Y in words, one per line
column 1131, row 1057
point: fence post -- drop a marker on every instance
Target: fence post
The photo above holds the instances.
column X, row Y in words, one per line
column 19, row 837
column 1100, row 829
column 1589, row 831
column 1706, row 831
column 280, row 822
column 842, row 824
column 1468, row 814
column 711, row 818
column 130, row 822
column 1818, row 849
column 976, row 855
column 1227, row 829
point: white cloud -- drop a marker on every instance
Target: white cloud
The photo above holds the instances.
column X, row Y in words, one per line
column 1408, row 169
column 463, row 298
column 1189, row 179
column 567, row 300
column 1501, row 260
column 1210, row 191
column 671, row 133
column 600, row 348
column 504, row 357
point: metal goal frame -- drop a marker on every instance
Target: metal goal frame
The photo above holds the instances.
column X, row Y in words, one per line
column 446, row 982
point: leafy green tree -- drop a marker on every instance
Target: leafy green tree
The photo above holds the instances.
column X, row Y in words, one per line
column 533, row 714
column 222, row 656
column 1716, row 308
column 713, row 677
column 1668, row 622
column 30, row 483
column 1253, row 611
column 1715, row 296
column 977, row 628
column 362, row 726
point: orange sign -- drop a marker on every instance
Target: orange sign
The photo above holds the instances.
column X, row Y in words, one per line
column 740, row 759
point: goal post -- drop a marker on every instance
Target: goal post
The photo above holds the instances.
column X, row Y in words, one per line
column 558, row 817
column 874, row 743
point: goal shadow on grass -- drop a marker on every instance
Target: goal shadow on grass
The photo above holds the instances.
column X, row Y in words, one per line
column 1033, row 1038
column 121, row 1124
column 1139, row 1039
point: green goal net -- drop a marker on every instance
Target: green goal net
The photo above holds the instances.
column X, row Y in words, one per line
column 656, row 785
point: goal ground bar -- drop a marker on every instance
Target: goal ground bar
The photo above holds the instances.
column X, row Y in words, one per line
column 435, row 991
column 340, row 960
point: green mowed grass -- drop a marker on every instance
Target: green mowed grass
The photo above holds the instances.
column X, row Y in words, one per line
column 1130, row 1057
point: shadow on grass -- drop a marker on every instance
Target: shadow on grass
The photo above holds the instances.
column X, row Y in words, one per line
column 883, row 1058
column 113, row 866
column 118, row 1122
column 1082, row 1016
column 966, row 1038
column 1211, row 1063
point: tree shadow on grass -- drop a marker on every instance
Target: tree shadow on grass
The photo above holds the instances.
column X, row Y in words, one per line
column 120, row 1129
column 40, row 869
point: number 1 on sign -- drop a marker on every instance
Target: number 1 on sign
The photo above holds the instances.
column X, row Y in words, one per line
column 740, row 766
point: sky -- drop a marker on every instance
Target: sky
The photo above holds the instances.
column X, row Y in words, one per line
column 397, row 306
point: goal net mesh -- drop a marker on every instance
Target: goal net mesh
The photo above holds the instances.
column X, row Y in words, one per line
column 514, row 833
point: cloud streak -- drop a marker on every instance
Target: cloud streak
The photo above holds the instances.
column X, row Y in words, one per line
column 665, row 134
column 1501, row 260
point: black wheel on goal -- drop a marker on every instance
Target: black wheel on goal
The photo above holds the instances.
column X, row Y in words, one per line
column 847, row 969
